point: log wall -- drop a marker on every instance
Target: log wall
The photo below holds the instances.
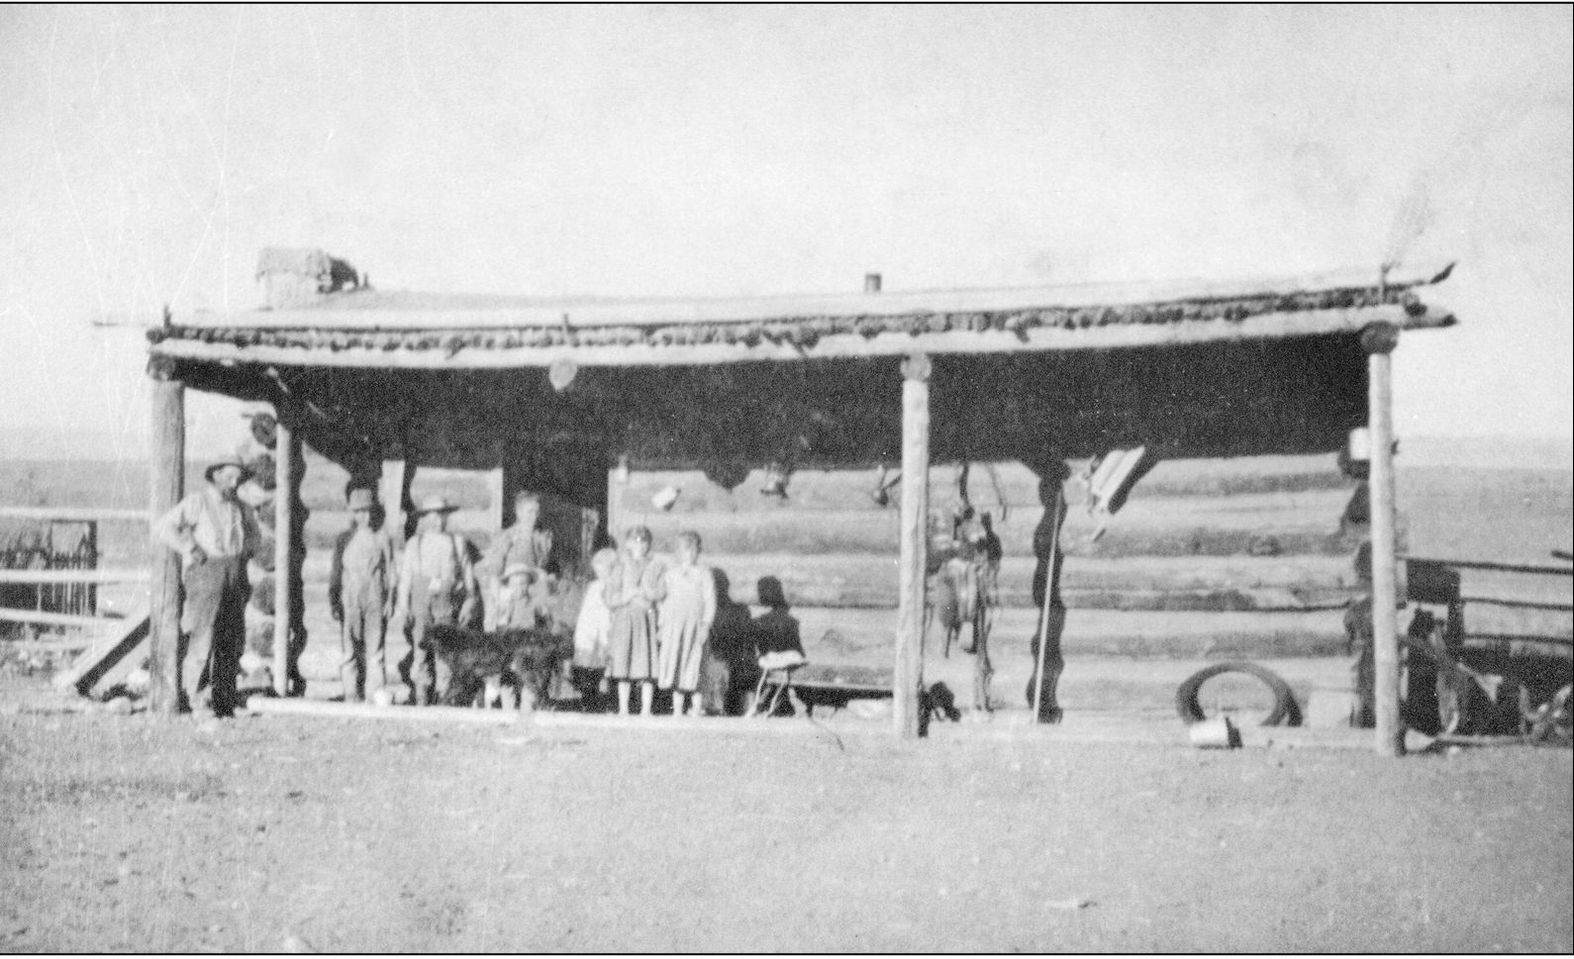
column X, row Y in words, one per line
column 1257, row 538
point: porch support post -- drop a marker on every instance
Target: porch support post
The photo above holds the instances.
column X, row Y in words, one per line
column 498, row 508
column 1379, row 340
column 166, row 486
column 393, row 492
column 287, row 453
column 909, row 673
column 617, row 490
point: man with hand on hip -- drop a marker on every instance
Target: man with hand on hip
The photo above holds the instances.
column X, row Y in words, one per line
column 215, row 533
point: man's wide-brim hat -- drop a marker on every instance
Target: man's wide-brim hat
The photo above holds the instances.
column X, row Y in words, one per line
column 217, row 465
column 517, row 569
column 436, row 504
column 362, row 499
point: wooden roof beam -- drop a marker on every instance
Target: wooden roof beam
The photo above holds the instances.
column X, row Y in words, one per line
column 451, row 348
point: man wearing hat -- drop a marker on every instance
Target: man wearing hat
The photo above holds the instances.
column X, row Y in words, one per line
column 214, row 532
column 360, row 596
column 437, row 585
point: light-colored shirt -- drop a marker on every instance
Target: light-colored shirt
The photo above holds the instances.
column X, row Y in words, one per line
column 691, row 595
column 222, row 527
column 532, row 547
column 442, row 561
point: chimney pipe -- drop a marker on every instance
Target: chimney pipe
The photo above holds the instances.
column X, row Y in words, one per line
column 871, row 282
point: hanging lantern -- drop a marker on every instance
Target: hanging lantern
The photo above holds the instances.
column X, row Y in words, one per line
column 561, row 373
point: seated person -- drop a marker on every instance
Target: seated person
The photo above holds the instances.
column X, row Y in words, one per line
column 519, row 602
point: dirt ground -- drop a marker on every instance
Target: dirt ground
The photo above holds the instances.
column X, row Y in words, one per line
column 133, row 833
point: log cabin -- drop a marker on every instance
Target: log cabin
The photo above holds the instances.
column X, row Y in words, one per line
column 586, row 398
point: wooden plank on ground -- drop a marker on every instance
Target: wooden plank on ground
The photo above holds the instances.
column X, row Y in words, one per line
column 110, row 659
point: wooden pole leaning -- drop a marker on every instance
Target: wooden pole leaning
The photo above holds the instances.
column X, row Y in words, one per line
column 1379, row 340
column 907, row 688
column 166, row 487
column 286, row 449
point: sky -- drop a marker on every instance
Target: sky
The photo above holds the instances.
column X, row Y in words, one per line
column 148, row 153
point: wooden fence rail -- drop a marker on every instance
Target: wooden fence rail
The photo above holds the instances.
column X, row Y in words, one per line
column 74, row 514
column 73, row 575
column 41, row 618
column 1498, row 567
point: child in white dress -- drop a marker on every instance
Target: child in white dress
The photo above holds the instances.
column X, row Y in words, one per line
column 595, row 619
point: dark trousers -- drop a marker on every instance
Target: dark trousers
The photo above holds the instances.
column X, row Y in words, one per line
column 420, row 667
column 1054, row 664
column 215, row 631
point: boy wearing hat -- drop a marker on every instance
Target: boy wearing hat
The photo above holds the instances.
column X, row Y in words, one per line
column 437, row 585
column 214, row 532
column 520, row 602
column 360, row 596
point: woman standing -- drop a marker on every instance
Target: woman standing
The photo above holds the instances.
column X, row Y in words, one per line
column 686, row 617
column 631, row 594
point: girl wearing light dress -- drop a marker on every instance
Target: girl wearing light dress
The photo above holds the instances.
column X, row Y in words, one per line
column 594, row 624
column 685, row 620
column 632, row 592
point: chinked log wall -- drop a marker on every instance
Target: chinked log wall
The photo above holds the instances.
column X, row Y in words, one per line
column 1257, row 539
column 1212, row 557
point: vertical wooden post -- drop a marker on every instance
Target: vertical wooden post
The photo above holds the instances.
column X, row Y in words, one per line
column 907, row 688
column 1379, row 340
column 617, row 489
column 498, row 508
column 166, row 487
column 286, row 451
column 393, row 492
column 1046, row 615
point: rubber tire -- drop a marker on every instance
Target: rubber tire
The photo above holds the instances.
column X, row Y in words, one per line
column 1286, row 711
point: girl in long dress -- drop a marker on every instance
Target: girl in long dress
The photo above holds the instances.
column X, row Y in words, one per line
column 686, row 616
column 632, row 592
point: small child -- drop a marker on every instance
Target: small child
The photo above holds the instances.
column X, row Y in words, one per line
column 632, row 592
column 595, row 619
column 686, row 616
column 517, row 602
